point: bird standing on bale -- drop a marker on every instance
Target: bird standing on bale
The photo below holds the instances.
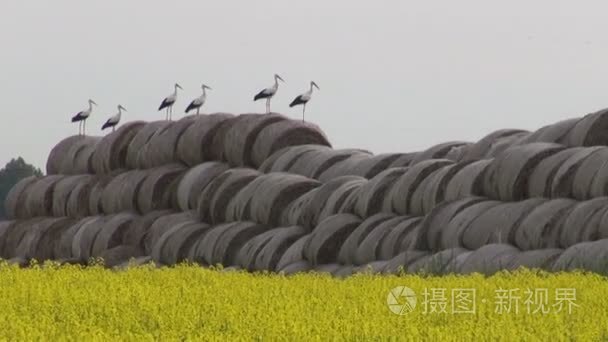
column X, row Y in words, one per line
column 114, row 120
column 268, row 93
column 82, row 116
column 198, row 102
column 169, row 101
column 304, row 98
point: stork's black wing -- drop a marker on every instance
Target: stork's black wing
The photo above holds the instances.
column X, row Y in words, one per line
column 165, row 104
column 192, row 106
column 107, row 125
column 261, row 95
column 297, row 101
column 78, row 117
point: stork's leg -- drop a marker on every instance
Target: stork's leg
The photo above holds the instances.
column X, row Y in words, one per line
column 167, row 114
column 198, row 110
column 171, row 113
column 84, row 127
column 303, row 110
column 113, row 128
column 268, row 105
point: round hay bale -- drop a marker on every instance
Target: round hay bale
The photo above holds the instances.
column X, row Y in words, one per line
column 503, row 144
column 594, row 226
column 59, row 152
column 313, row 163
column 432, row 190
column 438, row 151
column 498, row 224
column 372, row 166
column 138, row 229
column 269, row 256
column 112, row 232
column 541, row 228
column 39, row 197
column 162, row 147
column 368, row 249
column 404, row 160
column 328, row 198
column 194, row 182
column 295, row 212
column 121, row 193
column 78, row 200
column 400, row 263
column 5, row 228
column 582, row 183
column 294, row 253
column 14, row 234
column 284, row 159
column 458, row 152
column 143, row 136
column 63, row 244
column 554, row 133
column 489, row 259
column 38, row 239
column 14, row 203
column 194, row 145
column 111, row 151
column 285, row 133
column 248, row 254
column 296, row 267
column 480, row 149
column 120, row 254
column 174, row 244
column 349, row 248
column 62, row 192
column 162, row 225
column 230, row 242
column 468, row 181
column 327, row 238
column 395, row 233
column 372, row 193
column 202, row 249
column 78, row 157
column 507, row 176
column 591, row 130
column 153, row 192
column 440, row 263
column 587, row 256
column 451, row 235
column 240, row 138
column 96, row 193
column 580, row 221
column 434, row 223
column 542, row 259
column 82, row 243
column 345, row 167
column 563, row 181
column 401, row 193
column 540, row 181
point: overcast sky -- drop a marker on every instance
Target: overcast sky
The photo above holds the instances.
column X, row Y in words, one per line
column 395, row 76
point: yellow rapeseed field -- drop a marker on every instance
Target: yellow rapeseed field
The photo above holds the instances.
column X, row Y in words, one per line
column 192, row 303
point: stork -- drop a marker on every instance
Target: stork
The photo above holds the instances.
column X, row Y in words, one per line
column 169, row 101
column 82, row 116
column 304, row 98
column 198, row 102
column 114, row 120
column 268, row 93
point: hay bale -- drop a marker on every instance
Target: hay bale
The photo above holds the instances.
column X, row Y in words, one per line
column 284, row 159
column 143, row 136
column 96, row 193
column 77, row 205
column 63, row 244
column 489, row 259
column 541, row 228
column 401, row 193
column 452, row 234
column 468, row 181
column 230, row 242
column 507, row 176
column 14, row 234
column 498, row 224
column 270, row 255
column 440, row 263
column 504, row 144
column 563, row 181
column 328, row 198
column 154, row 192
column 432, row 190
column 14, row 203
column 372, row 166
column 372, row 193
column 202, row 249
column 587, row 256
column 348, row 250
column 582, row 183
column 63, row 190
column 327, row 238
column 59, row 152
column 579, row 220
column 162, row 225
column 345, row 167
column 5, row 228
column 400, row 263
column 313, row 163
column 39, row 196
column 295, row 212
column 540, row 181
column 78, row 157
column 82, row 242
column 161, row 148
column 111, row 151
column 296, row 267
column 542, row 259
column 438, row 151
column 595, row 226
column 248, row 254
column 138, row 229
column 404, row 160
column 120, row 254
column 112, row 232
column 399, row 235
column 591, row 130
column 121, row 193
column 294, row 253
column 194, row 145
column 39, row 239
column 194, row 182
column 173, row 245
column 480, row 149
column 554, row 133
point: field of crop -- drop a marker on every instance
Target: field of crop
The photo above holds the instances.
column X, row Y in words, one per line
column 187, row 302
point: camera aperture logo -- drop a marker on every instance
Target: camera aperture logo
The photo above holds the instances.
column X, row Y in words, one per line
column 401, row 300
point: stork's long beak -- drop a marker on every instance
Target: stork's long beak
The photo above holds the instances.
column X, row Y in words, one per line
column 279, row 77
column 178, row 86
column 123, row 108
column 207, row 87
column 93, row 102
column 316, row 86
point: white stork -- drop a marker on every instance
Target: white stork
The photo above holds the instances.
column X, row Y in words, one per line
column 268, row 93
column 82, row 116
column 304, row 98
column 169, row 101
column 198, row 102
column 114, row 120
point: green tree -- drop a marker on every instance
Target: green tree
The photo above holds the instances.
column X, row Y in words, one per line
column 14, row 171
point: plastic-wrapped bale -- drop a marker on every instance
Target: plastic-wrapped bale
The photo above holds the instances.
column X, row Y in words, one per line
column 489, row 259
column 503, row 144
column 219, row 192
column 313, row 163
column 591, row 130
column 294, row 253
column 507, row 176
column 401, row 262
column 582, row 221
column 82, row 243
column 438, row 151
column 162, row 225
column 78, row 200
column 248, row 254
column 14, row 234
column 563, row 180
column 78, row 158
column 327, row 238
column 404, row 160
column 201, row 250
column 120, row 194
column 194, row 145
column 440, row 263
column 63, row 191
column 194, row 182
column 59, row 152
column 112, row 232
column 582, row 183
column 136, row 146
column 96, row 192
column 39, row 197
column 14, row 204
column 434, row 223
column 588, row 256
column 284, row 159
column 5, row 228
column 230, row 242
column 153, row 193
column 537, row 259
column 350, row 246
column 293, row 215
column 402, row 190
column 468, row 181
column 63, row 244
column 540, row 181
column 344, row 167
column 38, row 241
column 451, row 236
column 372, row 193
column 480, row 149
column 138, row 229
column 541, row 227
column 432, row 189
column 599, row 184
column 161, row 149
column 269, row 256
column 285, row 133
column 498, row 224
column 120, row 254
column 296, row 267
column 389, row 239
column 554, row 133
column 372, row 166
column 173, row 245
column 111, row 151
column 596, row 226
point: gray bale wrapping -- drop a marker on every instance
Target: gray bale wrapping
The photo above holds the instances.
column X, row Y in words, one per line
column 541, row 227
column 78, row 199
column 438, row 151
column 111, row 151
column 451, row 235
column 369, row 248
column 269, row 256
column 505, row 143
column 480, row 149
column 294, row 214
column 370, row 167
column 112, row 232
column 59, row 152
column 542, row 259
column 554, row 133
column 78, row 157
column 195, row 144
column 580, row 223
column 194, row 182
column 120, row 254
column 588, row 256
column 39, row 196
column 14, row 234
column 63, row 244
column 583, row 186
column 403, row 160
column 540, row 181
column 5, row 228
column 327, row 238
column 139, row 141
column 96, row 192
column 489, row 259
column 432, row 189
column 372, row 193
column 294, row 253
column 468, row 181
column 348, row 250
column 440, row 263
column 82, row 243
column 591, row 130
column 156, row 190
column 14, row 203
column 161, row 149
column 173, row 245
column 401, row 262
column 202, row 249
column 313, row 163
column 121, row 193
column 344, row 168
column 162, row 225
column 563, row 180
column 63, row 190
column 249, row 252
column 284, row 159
column 230, row 242
column 39, row 240
column 238, row 209
column 137, row 230
column 398, row 233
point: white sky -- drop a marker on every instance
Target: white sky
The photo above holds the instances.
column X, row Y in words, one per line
column 394, row 75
